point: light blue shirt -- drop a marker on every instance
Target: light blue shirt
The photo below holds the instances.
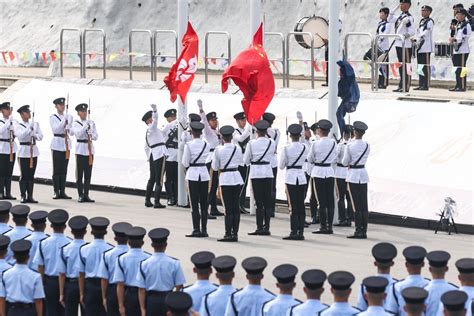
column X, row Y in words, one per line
column 469, row 290
column 310, row 307
column 248, row 301
column 47, row 254
column 362, row 303
column 69, row 257
column 436, row 288
column 214, row 303
column 35, row 239
column 4, row 228
column 90, row 256
column 4, row 265
column 160, row 273
column 198, row 290
column 128, row 266
column 376, row 311
column 395, row 302
column 280, row 305
column 340, row 309
column 21, row 285
column 108, row 262
column 17, row 233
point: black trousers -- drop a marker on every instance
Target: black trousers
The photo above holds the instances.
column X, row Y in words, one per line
column 155, row 179
column 344, row 212
column 155, row 303
column 296, row 195
column 51, row 291
column 171, row 184
column 132, row 304
column 198, row 192
column 460, row 60
column 313, row 201
column 72, row 298
column 27, row 176
column 274, row 190
column 326, row 58
column 425, row 60
column 6, row 172
column 358, row 194
column 13, row 310
column 403, row 70
column 83, row 175
column 324, row 188
column 230, row 195
column 384, row 74
column 262, row 189
column 93, row 297
column 112, row 303
column 59, row 170
column 243, row 170
column 214, row 186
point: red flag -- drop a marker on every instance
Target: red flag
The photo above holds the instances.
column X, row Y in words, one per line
column 251, row 72
column 181, row 74
column 52, row 55
column 45, row 60
column 11, row 55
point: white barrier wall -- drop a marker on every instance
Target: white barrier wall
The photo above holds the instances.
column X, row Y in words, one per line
column 420, row 152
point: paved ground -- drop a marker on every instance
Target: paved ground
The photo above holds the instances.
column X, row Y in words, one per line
column 329, row 253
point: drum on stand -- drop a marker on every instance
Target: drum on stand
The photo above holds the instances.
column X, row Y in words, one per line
column 315, row 25
column 443, row 50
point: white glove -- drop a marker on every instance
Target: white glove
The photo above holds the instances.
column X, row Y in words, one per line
column 153, row 107
column 299, row 115
column 199, row 103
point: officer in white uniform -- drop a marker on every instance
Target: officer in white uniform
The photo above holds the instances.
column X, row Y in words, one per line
column 202, row 262
column 225, row 162
column 85, row 132
column 28, row 132
column 414, row 301
column 292, row 158
column 8, row 149
column 341, row 282
column 215, row 303
column 313, row 200
column 187, row 135
column 383, row 43
column 170, row 133
column 465, row 268
column 258, row 155
column 355, row 157
column 273, row 133
column 242, row 135
column 60, row 123
column 155, row 150
column 424, row 46
column 374, row 295
column 404, row 26
column 5, row 207
column 20, row 218
column 195, row 155
column 461, row 49
column 313, row 288
column 344, row 211
column 249, row 300
column 284, row 301
column 454, row 302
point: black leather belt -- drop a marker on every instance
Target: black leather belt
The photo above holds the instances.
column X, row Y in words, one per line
column 72, row 280
column 25, row 143
column 357, row 167
column 341, row 165
column 52, row 277
column 95, row 281
column 157, row 144
column 19, row 305
column 322, row 164
column 131, row 288
column 59, row 135
column 172, row 147
column 83, row 141
column 6, row 140
column 229, row 170
column 197, row 165
column 260, row 163
column 294, row 167
column 212, row 149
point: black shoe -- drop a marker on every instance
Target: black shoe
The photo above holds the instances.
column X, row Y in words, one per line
column 324, row 85
column 301, row 237
column 226, row 238
column 81, row 199
column 322, row 232
column 158, row 205
column 56, row 196
column 88, row 199
column 357, row 236
column 9, row 197
column 64, row 196
column 24, row 199
column 315, row 220
column 258, row 232
column 306, row 224
column 341, row 224
column 235, row 238
column 330, row 232
column 204, row 234
column 398, row 90
column 265, row 233
column 458, row 90
column 215, row 212
column 31, row 200
column 171, row 202
column 209, row 216
column 148, row 203
column 291, row 237
column 243, row 210
column 382, row 87
column 195, row 233
column 453, row 89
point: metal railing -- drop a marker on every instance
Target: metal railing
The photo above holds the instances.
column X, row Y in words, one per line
column 131, row 53
column 103, row 54
column 370, row 62
column 62, row 52
column 288, row 59
column 206, row 51
column 377, row 63
column 282, row 37
column 156, row 56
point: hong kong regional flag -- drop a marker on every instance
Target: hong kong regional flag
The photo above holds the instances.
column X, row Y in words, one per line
column 181, row 75
column 251, row 72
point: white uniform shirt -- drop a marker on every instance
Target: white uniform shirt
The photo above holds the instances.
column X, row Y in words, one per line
column 340, row 309
column 341, row 172
column 280, row 305
column 436, row 288
column 424, row 36
column 352, row 153
column 222, row 156
column 310, row 307
column 211, row 135
column 274, row 133
column 58, row 126
column 257, row 151
column 322, row 148
column 362, row 303
column 25, row 133
column 462, row 35
column 82, row 129
column 192, row 150
column 171, row 131
column 154, row 142
column 394, row 302
column 375, row 311
column 404, row 26
column 384, row 27
column 242, row 135
column 288, row 157
column 7, row 125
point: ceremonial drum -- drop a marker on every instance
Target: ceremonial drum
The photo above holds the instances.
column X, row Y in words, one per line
column 443, row 50
column 315, row 25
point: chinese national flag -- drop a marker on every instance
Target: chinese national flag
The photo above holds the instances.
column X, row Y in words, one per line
column 251, row 72
column 181, row 75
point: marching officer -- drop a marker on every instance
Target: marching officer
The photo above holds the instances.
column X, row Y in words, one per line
column 5, row 207
column 322, row 155
column 313, row 288
column 170, row 132
column 424, row 47
column 178, row 304
column 375, row 294
column 404, row 26
column 341, row 282
column 283, row 302
column 226, row 161
column 86, row 133
column 20, row 218
column 38, row 223
column 242, row 134
column 60, row 146
column 215, row 303
column 249, row 301
column 465, row 268
column 384, row 28
column 28, row 132
column 460, row 41
column 293, row 158
column 313, row 201
column 4, row 243
column 274, row 134
column 156, row 152
column 258, row 155
column 414, row 298
column 355, row 157
column 194, row 160
column 454, row 303
column 155, row 284
column 8, row 149
column 344, row 212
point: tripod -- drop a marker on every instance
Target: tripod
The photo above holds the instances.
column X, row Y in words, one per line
column 446, row 219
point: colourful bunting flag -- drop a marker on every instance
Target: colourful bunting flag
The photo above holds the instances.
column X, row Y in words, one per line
column 419, row 70
column 315, row 66
column 11, row 55
column 52, row 56
column 45, row 59
column 464, row 72
column 4, row 57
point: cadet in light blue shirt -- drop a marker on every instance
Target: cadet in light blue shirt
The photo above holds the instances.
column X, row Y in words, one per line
column 341, row 282
column 108, row 264
column 249, row 301
column 215, row 302
column 281, row 305
column 22, row 287
column 313, row 288
column 159, row 275
column 5, row 207
column 20, row 217
column 67, row 267
column 90, row 256
column 414, row 300
column 125, row 275
column 375, row 295
column 38, row 222
column 465, row 268
column 4, row 265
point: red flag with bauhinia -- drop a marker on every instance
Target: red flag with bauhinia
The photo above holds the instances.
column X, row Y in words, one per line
column 181, row 75
column 251, row 72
